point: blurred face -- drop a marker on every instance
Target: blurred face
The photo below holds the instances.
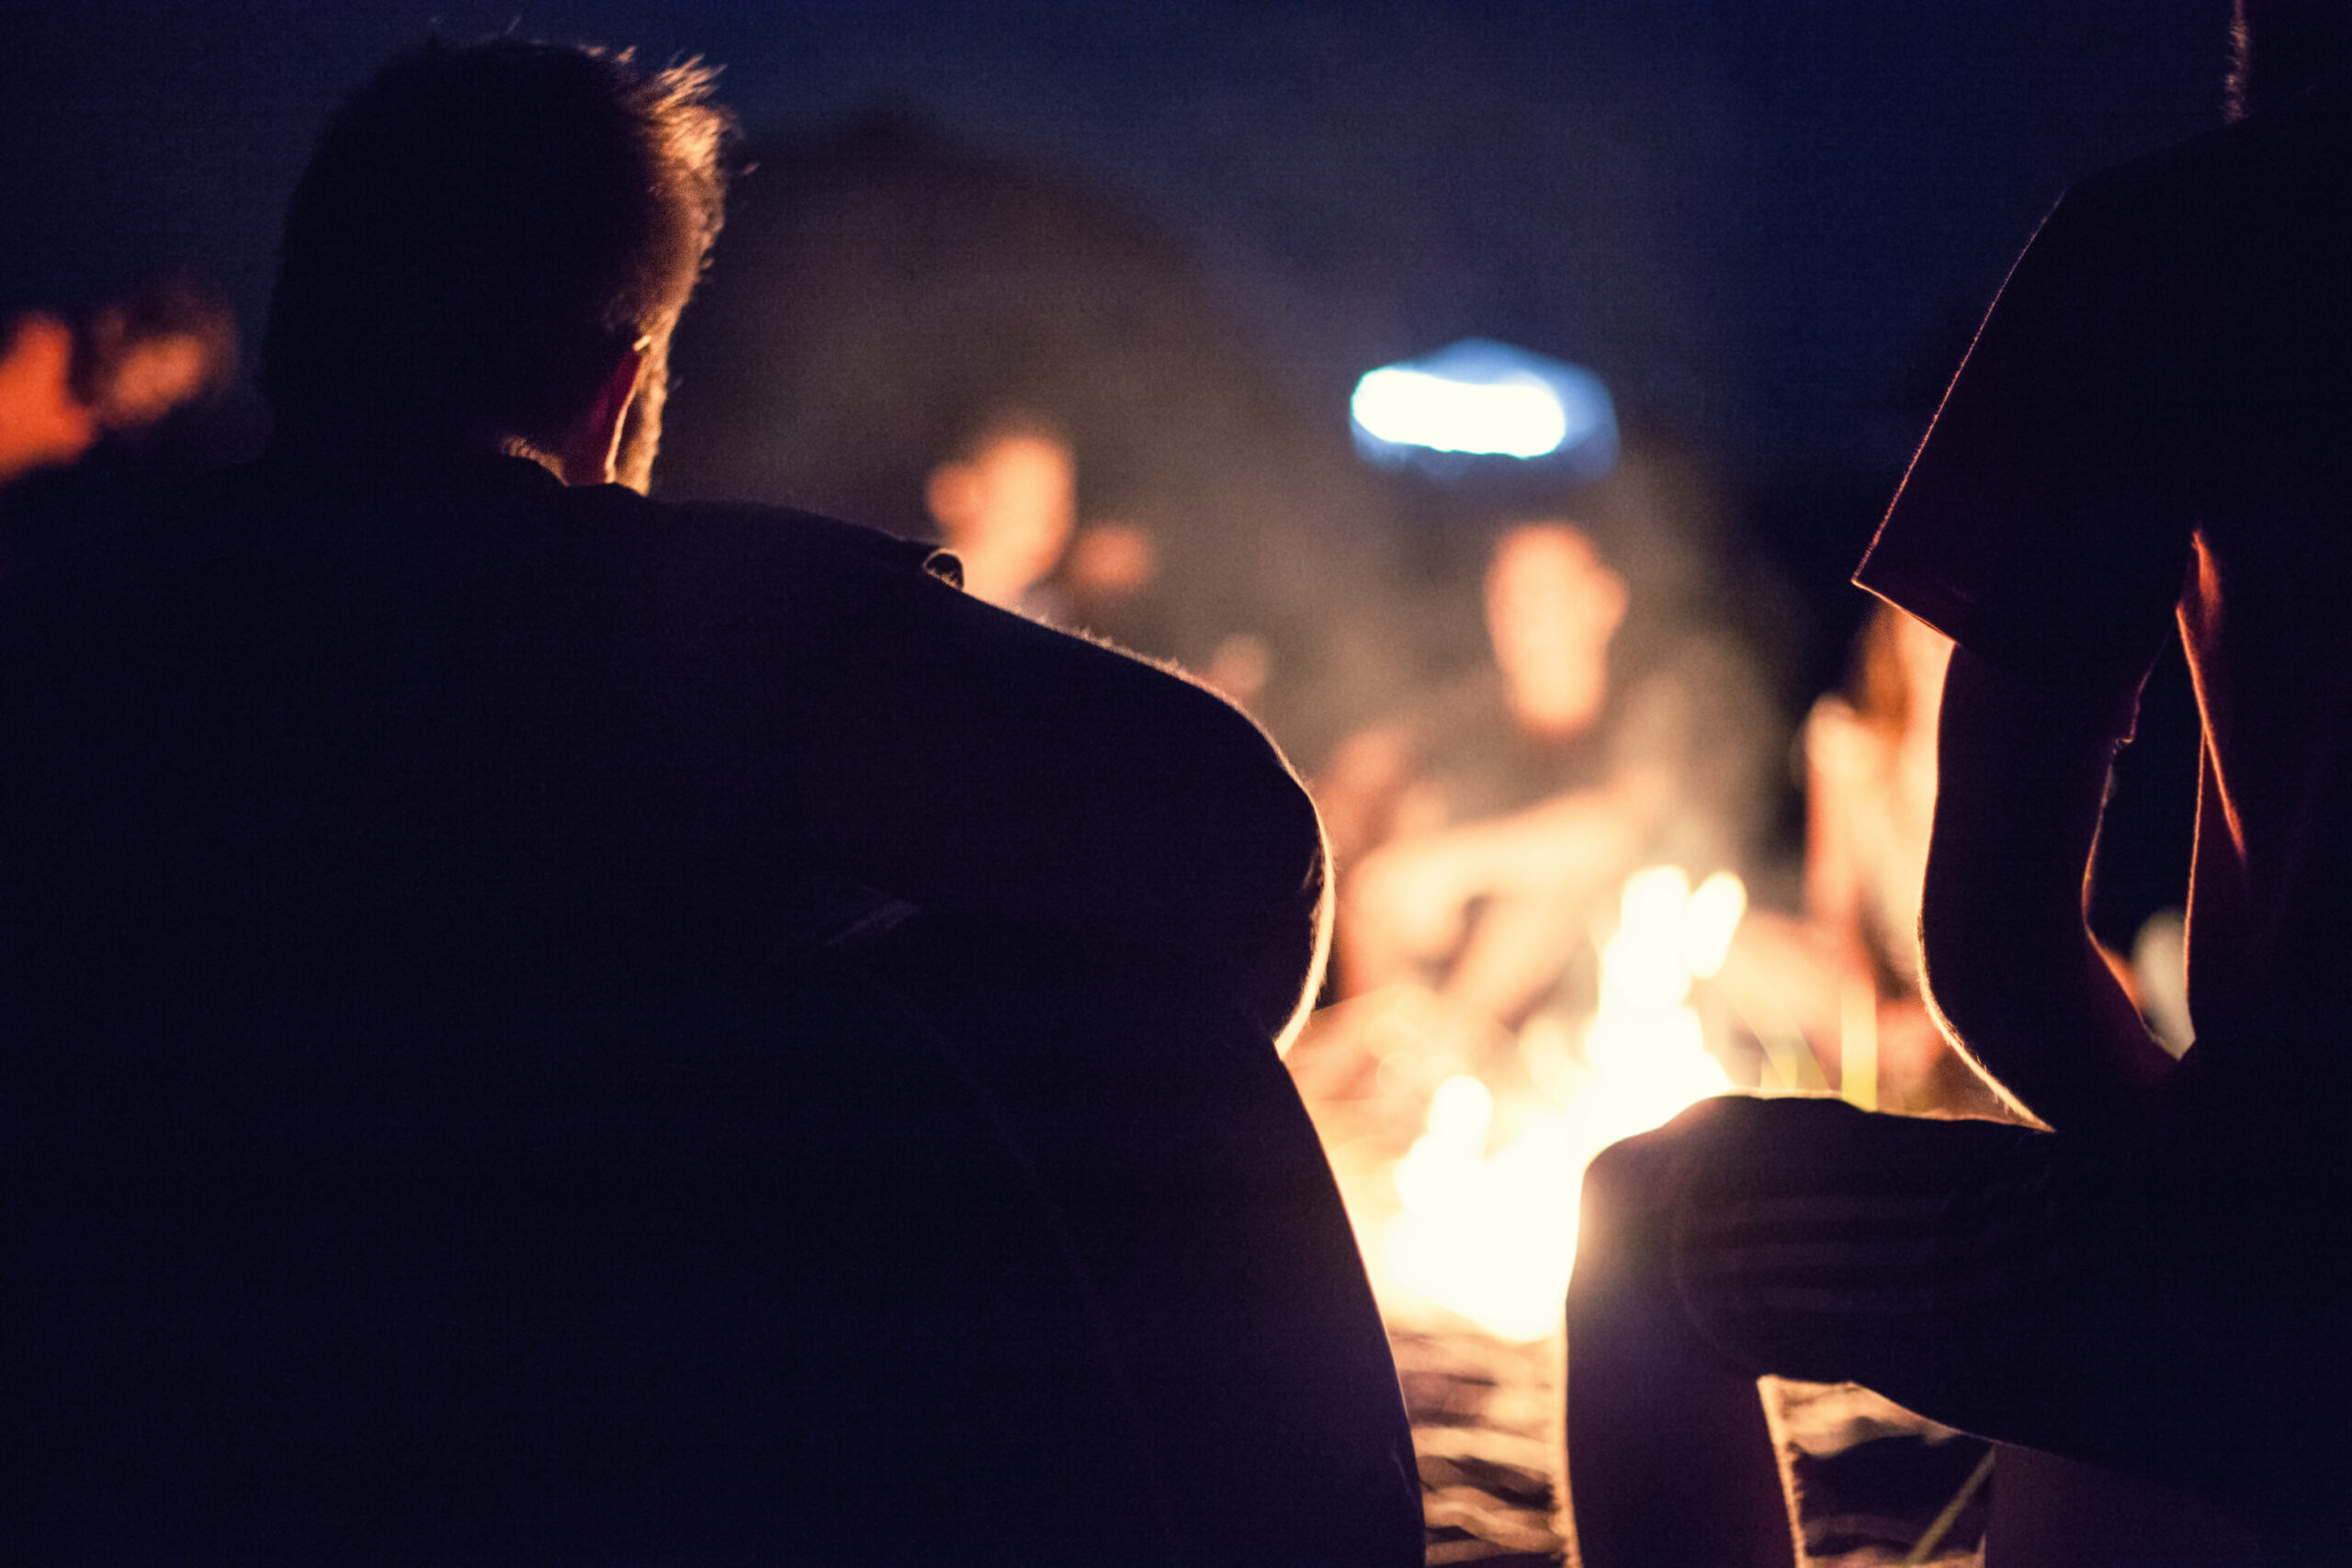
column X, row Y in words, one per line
column 1008, row 510
column 153, row 378
column 1552, row 606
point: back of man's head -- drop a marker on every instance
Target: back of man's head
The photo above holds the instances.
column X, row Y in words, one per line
column 482, row 233
column 2277, row 47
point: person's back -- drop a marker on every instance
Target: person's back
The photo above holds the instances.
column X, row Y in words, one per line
column 450, row 736
column 468, row 940
column 464, row 726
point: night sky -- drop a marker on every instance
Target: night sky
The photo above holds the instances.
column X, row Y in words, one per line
column 1769, row 224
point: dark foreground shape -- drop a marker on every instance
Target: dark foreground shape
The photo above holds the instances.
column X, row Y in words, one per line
column 823, row 1276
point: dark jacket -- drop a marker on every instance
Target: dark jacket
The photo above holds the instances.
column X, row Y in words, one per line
column 544, row 1026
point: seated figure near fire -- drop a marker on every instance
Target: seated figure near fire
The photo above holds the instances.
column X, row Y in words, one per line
column 1482, row 831
column 82, row 403
column 499, row 977
column 2151, row 425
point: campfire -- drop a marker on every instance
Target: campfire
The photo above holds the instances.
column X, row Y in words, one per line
column 1476, row 1216
column 1461, row 1148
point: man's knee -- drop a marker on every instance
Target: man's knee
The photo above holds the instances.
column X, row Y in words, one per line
column 1654, row 1168
column 1633, row 1190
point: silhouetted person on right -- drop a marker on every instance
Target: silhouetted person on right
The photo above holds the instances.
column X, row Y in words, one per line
column 2156, row 420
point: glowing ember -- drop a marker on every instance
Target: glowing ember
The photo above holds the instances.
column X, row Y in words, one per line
column 1492, row 1235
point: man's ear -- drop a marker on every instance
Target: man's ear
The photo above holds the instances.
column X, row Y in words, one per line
column 587, row 458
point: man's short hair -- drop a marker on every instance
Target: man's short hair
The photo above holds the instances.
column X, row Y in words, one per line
column 481, row 231
column 2277, row 47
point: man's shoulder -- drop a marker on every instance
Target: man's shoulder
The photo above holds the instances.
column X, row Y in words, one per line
column 277, row 555
column 750, row 535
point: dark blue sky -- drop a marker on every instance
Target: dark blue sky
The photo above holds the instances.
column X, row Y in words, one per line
column 1759, row 221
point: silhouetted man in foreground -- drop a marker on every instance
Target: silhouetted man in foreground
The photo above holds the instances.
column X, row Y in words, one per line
column 544, row 1027
column 2156, row 420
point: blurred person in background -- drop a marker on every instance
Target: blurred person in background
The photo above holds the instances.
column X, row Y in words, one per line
column 887, row 290
column 164, row 346
column 97, row 392
column 1870, row 760
column 1870, row 765
column 64, row 386
column 1005, row 502
column 1836, row 980
column 1481, row 833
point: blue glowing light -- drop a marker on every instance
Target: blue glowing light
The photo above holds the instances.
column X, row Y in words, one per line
column 1480, row 398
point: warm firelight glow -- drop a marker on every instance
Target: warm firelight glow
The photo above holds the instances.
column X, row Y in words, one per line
column 1487, row 1225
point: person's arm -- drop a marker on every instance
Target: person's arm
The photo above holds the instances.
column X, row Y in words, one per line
column 970, row 760
column 1409, row 899
column 2045, row 526
column 2012, row 969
